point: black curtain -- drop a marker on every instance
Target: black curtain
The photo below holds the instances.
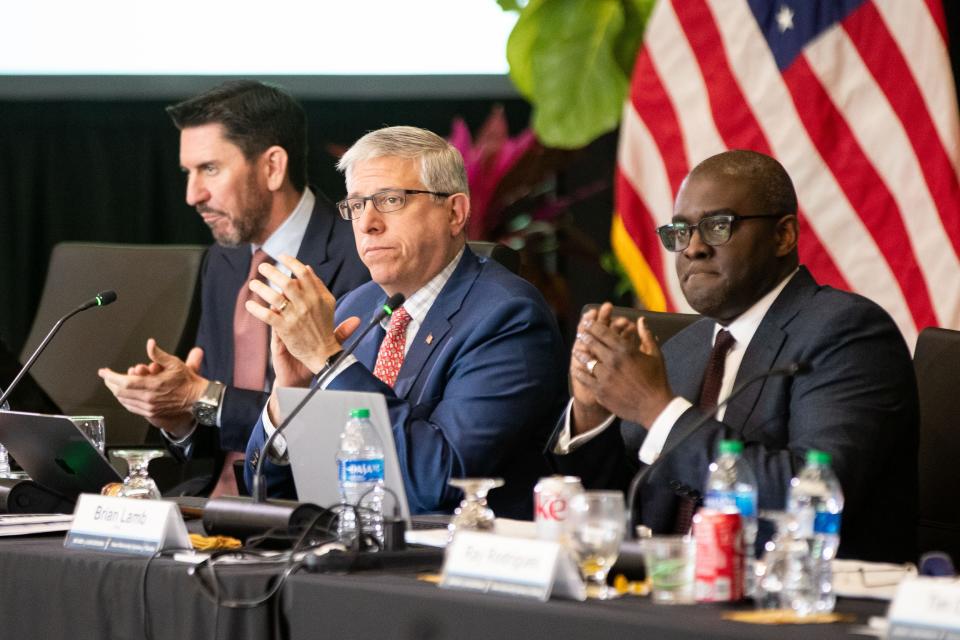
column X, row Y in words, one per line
column 109, row 172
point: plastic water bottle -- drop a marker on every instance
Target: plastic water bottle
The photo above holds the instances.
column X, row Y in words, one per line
column 360, row 479
column 816, row 504
column 732, row 485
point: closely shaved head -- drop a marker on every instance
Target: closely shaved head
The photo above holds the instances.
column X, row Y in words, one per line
column 769, row 182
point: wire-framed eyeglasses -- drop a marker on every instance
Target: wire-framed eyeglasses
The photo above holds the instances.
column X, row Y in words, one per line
column 715, row 230
column 386, row 201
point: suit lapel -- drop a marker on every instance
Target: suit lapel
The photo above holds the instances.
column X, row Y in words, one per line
column 766, row 345
column 436, row 325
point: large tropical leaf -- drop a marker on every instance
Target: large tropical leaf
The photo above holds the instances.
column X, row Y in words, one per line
column 578, row 86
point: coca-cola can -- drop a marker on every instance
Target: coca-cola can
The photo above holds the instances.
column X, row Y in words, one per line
column 551, row 505
column 719, row 566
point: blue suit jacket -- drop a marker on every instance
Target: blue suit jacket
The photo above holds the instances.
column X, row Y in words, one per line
column 858, row 402
column 328, row 246
column 476, row 395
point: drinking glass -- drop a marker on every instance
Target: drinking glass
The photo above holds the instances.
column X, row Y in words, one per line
column 138, row 483
column 670, row 564
column 473, row 514
column 596, row 524
column 92, row 427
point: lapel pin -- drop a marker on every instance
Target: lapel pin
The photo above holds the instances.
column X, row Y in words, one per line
column 429, row 338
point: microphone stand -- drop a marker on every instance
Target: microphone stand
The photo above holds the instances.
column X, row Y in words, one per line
column 102, row 299
column 792, row 369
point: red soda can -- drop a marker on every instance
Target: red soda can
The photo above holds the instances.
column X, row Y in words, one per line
column 719, row 565
column 551, row 505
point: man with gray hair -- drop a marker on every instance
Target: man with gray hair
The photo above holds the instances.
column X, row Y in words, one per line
column 471, row 365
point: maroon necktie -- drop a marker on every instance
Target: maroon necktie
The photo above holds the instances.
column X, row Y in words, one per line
column 713, row 376
column 251, row 349
column 709, row 392
column 393, row 348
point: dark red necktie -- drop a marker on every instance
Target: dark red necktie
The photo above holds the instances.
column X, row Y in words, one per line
column 713, row 376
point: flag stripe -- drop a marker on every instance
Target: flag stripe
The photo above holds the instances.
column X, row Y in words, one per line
column 917, row 32
column 863, row 115
column 829, row 214
column 641, row 165
column 920, row 247
column 885, row 62
column 735, row 120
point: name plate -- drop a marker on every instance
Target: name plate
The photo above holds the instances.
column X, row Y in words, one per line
column 515, row 566
column 126, row 525
column 926, row 607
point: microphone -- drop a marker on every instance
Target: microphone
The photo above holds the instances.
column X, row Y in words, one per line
column 102, row 299
column 259, row 489
column 789, row 370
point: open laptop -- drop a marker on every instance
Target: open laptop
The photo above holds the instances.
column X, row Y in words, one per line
column 313, row 438
column 55, row 453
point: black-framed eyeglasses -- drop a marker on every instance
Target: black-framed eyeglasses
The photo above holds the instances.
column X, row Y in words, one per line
column 386, row 201
column 714, row 230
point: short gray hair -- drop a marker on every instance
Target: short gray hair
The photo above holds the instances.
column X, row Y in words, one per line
column 441, row 165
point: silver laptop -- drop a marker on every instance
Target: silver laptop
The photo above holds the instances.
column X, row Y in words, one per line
column 313, row 439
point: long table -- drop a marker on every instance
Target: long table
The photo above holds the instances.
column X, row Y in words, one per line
column 50, row 592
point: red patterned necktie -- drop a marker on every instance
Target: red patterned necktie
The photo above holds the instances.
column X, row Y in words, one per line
column 713, row 376
column 390, row 356
column 251, row 349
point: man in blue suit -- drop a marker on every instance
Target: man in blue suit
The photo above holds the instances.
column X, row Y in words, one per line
column 472, row 365
column 243, row 149
column 734, row 232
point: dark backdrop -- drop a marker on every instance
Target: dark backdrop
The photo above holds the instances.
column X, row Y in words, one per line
column 108, row 171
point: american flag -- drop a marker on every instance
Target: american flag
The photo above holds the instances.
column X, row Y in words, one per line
column 854, row 97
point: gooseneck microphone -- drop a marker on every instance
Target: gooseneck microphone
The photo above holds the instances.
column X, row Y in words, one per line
column 790, row 370
column 102, row 299
column 259, row 489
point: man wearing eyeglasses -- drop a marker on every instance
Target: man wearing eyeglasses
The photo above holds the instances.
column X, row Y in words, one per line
column 243, row 151
column 735, row 234
column 471, row 364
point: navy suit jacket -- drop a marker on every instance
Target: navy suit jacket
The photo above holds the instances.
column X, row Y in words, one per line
column 858, row 402
column 328, row 246
column 476, row 395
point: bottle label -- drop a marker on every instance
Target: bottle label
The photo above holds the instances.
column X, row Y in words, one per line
column 826, row 522
column 747, row 504
column 370, row 470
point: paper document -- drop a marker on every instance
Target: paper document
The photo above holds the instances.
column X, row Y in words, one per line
column 24, row 524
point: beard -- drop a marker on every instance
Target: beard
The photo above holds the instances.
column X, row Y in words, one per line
column 247, row 224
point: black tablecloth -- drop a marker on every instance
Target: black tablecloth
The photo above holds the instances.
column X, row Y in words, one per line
column 53, row 593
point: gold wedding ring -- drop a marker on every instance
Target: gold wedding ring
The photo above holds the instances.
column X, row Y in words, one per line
column 591, row 366
column 283, row 305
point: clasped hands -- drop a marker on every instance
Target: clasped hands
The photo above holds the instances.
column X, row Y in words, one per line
column 616, row 368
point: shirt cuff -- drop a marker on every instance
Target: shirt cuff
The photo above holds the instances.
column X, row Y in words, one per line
column 567, row 444
column 185, row 443
column 660, row 429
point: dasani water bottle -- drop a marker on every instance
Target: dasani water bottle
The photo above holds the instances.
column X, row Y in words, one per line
column 360, row 479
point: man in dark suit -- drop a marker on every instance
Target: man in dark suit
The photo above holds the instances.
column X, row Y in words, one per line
column 471, row 365
column 243, row 150
column 734, row 232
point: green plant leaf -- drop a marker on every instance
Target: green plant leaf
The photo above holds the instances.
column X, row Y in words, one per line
column 575, row 82
column 635, row 14
column 521, row 44
column 512, row 5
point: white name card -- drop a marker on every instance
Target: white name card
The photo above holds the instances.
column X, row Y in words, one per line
column 126, row 525
column 926, row 607
column 515, row 566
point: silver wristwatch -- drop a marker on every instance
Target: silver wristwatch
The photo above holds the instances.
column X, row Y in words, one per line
column 206, row 408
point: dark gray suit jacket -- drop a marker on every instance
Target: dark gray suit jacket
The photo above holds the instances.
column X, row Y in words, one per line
column 858, row 402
